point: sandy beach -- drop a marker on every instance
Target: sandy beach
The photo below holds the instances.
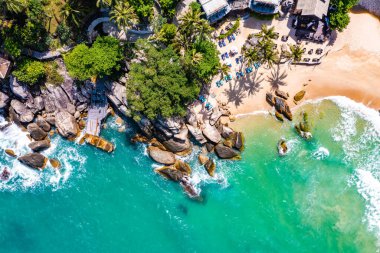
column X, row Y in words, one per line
column 350, row 67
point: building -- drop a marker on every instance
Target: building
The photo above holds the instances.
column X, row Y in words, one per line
column 5, row 67
column 215, row 9
column 265, row 6
column 312, row 9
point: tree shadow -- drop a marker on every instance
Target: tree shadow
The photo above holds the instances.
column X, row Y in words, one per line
column 254, row 85
column 235, row 93
column 277, row 78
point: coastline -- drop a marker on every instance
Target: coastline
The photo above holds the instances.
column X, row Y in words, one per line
column 350, row 69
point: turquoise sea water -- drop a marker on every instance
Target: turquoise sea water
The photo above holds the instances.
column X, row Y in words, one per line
column 323, row 197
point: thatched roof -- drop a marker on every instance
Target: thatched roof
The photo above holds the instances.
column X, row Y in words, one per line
column 316, row 8
column 213, row 6
column 4, row 67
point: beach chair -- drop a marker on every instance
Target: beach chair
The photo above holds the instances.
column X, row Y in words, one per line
column 202, row 98
column 233, row 36
column 223, row 57
column 224, row 43
column 226, row 55
column 208, row 106
column 237, row 60
column 229, row 39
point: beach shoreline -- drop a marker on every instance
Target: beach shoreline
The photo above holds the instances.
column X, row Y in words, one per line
column 350, row 68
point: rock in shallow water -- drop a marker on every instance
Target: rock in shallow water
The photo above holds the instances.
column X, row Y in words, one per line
column 161, row 156
column 226, row 152
column 38, row 146
column 36, row 132
column 34, row 160
column 210, row 167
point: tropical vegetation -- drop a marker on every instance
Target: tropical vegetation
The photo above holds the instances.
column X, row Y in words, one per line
column 339, row 18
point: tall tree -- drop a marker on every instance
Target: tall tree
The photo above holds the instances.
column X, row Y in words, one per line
column 15, row 6
column 266, row 33
column 251, row 56
column 295, row 53
column 104, row 3
column 123, row 14
column 71, row 12
column 223, row 69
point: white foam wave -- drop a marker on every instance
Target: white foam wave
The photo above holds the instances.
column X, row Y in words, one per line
column 321, row 154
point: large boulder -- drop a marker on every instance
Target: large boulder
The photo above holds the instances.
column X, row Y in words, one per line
column 170, row 172
column 212, row 133
column 41, row 122
column 18, row 89
column 66, row 124
column 210, row 167
column 39, row 103
column 203, row 159
column 226, row 152
column 299, row 96
column 183, row 166
column 215, row 116
column 24, row 114
column 34, row 160
column 239, row 141
column 38, row 146
column 161, row 156
column 36, row 132
column 4, row 99
column 179, row 143
column 283, row 108
column 197, row 134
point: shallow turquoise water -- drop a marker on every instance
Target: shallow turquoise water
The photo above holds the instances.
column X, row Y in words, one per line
column 323, row 197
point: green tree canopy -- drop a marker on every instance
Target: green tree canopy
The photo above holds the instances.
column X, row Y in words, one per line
column 99, row 60
column 158, row 85
column 167, row 34
column 339, row 17
column 29, row 71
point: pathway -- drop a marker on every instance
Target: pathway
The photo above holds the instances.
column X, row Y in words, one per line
column 98, row 109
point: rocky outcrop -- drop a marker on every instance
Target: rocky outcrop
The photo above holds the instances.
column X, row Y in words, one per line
column 239, row 141
column 183, row 166
column 170, row 172
column 41, row 122
column 303, row 128
column 197, row 134
column 212, row 133
column 178, row 143
column 20, row 90
column 36, row 132
column 203, row 159
column 226, row 152
column 38, row 146
column 55, row 163
column 210, row 167
column 4, row 99
column 372, row 6
column 282, row 147
column 60, row 98
column 282, row 107
column 282, row 94
column 24, row 115
column 161, row 156
column 34, row 160
column 270, row 99
column 66, row 124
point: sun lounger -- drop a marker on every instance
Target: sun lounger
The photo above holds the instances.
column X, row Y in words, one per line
column 202, row 98
column 237, row 60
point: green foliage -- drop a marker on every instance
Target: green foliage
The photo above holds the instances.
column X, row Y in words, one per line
column 158, row 85
column 100, row 60
column 157, row 22
column 12, row 47
column 167, row 34
column 30, row 71
column 123, row 14
column 339, row 18
column 168, row 7
column 15, row 6
column 52, row 75
column 195, row 6
column 143, row 8
column 209, row 63
column 64, row 33
column 231, row 31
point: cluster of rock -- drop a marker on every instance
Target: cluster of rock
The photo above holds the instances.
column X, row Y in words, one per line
column 40, row 109
column 303, row 127
column 372, row 6
column 279, row 102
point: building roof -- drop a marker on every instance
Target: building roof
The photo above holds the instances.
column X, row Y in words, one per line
column 272, row 2
column 4, row 67
column 316, row 8
column 212, row 6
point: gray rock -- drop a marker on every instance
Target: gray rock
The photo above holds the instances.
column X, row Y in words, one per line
column 38, row 146
column 226, row 152
column 39, row 103
column 50, row 118
column 24, row 114
column 146, row 126
column 81, row 107
column 4, row 99
column 77, row 115
column 226, row 132
column 161, row 156
column 197, row 134
column 18, row 89
column 66, row 124
column 49, row 103
column 176, row 145
column 212, row 133
column 173, row 125
column 34, row 160
column 36, row 132
column 215, row 116
column 43, row 124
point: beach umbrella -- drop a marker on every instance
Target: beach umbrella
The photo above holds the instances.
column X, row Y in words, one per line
column 234, row 50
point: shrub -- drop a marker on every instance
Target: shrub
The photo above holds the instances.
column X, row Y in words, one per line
column 30, row 71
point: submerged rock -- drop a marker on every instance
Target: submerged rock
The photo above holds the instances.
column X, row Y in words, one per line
column 161, row 156
column 38, row 146
column 34, row 160
column 182, row 166
column 5, row 174
column 170, row 172
column 282, row 147
column 239, row 141
column 279, row 117
column 226, row 152
column 55, row 163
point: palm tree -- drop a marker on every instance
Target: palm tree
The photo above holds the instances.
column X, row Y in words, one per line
column 15, row 6
column 104, row 3
column 223, row 70
column 295, row 54
column 194, row 27
column 268, row 54
column 196, row 57
column 180, row 43
column 251, row 55
column 266, row 33
column 71, row 13
column 123, row 14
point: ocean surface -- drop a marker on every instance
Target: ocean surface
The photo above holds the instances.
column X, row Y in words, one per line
column 324, row 196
